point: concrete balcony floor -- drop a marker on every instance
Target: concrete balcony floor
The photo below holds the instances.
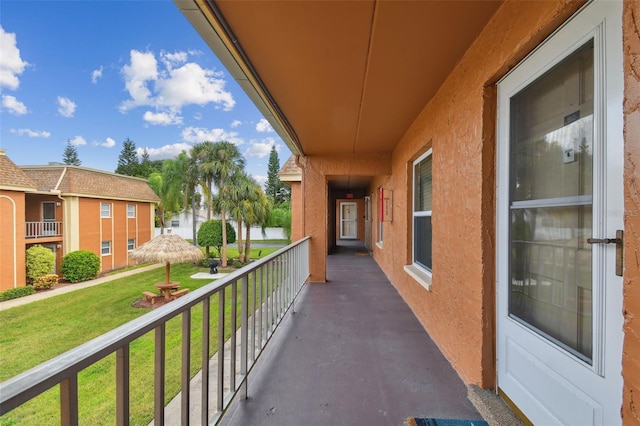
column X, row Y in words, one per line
column 353, row 353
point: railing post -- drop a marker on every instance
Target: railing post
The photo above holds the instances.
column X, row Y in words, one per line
column 233, row 330
column 220, row 394
column 122, row 386
column 186, row 363
column 158, row 386
column 204, row 400
column 69, row 401
column 244, row 333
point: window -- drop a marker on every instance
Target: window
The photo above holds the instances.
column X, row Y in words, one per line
column 422, row 212
column 175, row 223
column 106, row 248
column 105, row 210
column 131, row 210
column 380, row 216
column 131, row 244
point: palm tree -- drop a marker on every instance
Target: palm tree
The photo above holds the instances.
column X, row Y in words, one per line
column 203, row 155
column 227, row 161
column 256, row 212
column 233, row 199
column 168, row 186
column 191, row 180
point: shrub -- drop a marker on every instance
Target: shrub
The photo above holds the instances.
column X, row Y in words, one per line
column 80, row 265
column 210, row 234
column 45, row 281
column 39, row 261
column 14, row 293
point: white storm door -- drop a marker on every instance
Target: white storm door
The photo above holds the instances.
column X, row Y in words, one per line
column 348, row 220
column 560, row 152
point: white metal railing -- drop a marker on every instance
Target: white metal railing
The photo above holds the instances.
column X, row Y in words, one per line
column 42, row 229
column 268, row 288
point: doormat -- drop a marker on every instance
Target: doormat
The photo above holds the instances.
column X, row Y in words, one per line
column 417, row 421
column 362, row 253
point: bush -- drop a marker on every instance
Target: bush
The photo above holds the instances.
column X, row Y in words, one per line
column 80, row 265
column 45, row 281
column 17, row 292
column 210, row 234
column 39, row 261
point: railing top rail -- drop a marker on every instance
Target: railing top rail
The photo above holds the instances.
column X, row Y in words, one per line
column 24, row 386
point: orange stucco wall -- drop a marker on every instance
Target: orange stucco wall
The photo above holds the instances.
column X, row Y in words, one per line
column 459, row 123
column 631, row 289
column 297, row 228
column 118, row 229
column 12, row 253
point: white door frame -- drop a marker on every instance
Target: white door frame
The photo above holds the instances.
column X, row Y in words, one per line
column 549, row 385
column 342, row 220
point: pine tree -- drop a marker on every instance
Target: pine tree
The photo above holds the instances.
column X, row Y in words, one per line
column 275, row 190
column 128, row 159
column 70, row 155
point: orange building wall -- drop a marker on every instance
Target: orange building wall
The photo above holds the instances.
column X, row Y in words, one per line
column 631, row 289
column 118, row 229
column 12, row 253
column 297, row 228
column 459, row 122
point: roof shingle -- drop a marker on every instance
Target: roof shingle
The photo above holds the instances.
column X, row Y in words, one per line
column 12, row 177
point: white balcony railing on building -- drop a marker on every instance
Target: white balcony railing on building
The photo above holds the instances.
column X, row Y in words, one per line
column 42, row 229
column 267, row 290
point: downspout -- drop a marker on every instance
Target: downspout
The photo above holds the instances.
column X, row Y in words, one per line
column 65, row 215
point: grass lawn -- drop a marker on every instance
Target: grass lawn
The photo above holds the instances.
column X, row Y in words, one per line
column 38, row 331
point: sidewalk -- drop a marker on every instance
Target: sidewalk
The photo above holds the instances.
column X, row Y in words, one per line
column 8, row 304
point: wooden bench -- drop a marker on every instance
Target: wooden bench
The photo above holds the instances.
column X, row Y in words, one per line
column 150, row 296
column 179, row 293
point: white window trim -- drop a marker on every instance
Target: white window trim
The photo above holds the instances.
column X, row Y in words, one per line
column 101, row 248
column 133, row 215
column 380, row 242
column 418, row 272
column 128, row 245
column 101, row 213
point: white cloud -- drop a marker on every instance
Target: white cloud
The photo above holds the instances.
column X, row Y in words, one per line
column 201, row 134
column 264, row 126
column 143, row 68
column 261, row 179
column 171, row 60
column 170, row 89
column 162, row 118
column 166, row 151
column 260, row 149
column 96, row 75
column 77, row 141
column 66, row 107
column 11, row 64
column 108, row 143
column 13, row 105
column 31, row 133
column 235, row 123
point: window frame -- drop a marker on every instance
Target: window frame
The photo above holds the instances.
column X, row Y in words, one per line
column 102, row 248
column 421, row 273
column 131, row 244
column 102, row 212
column 175, row 223
column 380, row 227
column 131, row 211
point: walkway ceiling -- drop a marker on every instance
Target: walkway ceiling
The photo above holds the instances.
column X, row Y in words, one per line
column 339, row 77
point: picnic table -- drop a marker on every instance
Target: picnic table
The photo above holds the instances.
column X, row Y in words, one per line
column 166, row 289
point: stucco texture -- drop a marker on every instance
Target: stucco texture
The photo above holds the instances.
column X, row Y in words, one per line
column 631, row 349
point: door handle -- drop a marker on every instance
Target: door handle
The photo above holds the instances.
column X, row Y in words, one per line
column 618, row 241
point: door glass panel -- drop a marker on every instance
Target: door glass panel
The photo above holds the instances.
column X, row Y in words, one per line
column 551, row 191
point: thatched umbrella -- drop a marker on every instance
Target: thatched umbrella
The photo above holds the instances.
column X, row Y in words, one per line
column 167, row 248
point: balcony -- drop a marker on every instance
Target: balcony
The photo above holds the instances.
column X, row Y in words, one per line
column 42, row 229
column 346, row 352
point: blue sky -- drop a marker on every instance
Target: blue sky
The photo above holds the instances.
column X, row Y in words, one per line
column 98, row 72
